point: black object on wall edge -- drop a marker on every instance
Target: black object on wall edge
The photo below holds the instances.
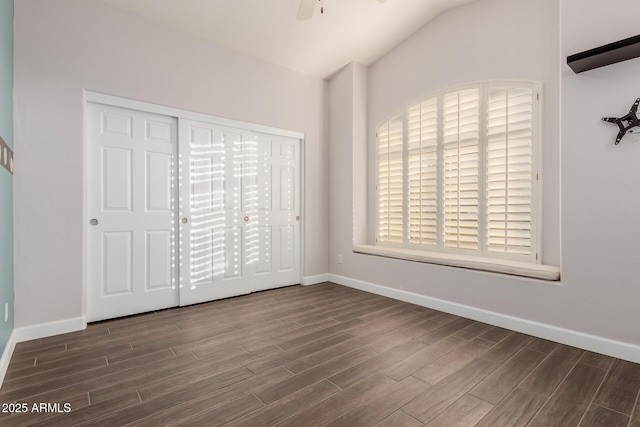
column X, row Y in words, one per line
column 6, row 156
column 605, row 55
column 627, row 123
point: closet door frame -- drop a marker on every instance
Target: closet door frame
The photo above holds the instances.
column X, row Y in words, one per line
column 115, row 101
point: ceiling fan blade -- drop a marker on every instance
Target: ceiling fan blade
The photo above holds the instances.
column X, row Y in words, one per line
column 305, row 10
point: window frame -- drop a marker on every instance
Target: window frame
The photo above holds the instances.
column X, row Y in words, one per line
column 535, row 255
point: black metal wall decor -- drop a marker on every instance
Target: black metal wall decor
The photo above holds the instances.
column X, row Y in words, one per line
column 6, row 156
column 627, row 123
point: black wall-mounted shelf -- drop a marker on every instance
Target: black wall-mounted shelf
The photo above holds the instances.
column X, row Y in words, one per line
column 605, row 55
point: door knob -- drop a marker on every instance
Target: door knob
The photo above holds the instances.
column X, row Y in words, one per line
column 298, row 218
column 185, row 220
column 246, row 219
column 93, row 222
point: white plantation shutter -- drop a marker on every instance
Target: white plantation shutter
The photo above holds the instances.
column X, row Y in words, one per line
column 457, row 172
column 461, row 141
column 509, row 170
column 422, row 161
column 390, row 182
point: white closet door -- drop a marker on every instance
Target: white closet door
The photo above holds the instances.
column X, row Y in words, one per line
column 272, row 188
column 239, row 210
column 131, row 212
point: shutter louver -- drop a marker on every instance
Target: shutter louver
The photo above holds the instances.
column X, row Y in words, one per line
column 509, row 170
column 461, row 139
column 422, row 144
column 390, row 182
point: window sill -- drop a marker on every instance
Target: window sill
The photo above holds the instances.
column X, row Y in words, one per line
column 516, row 268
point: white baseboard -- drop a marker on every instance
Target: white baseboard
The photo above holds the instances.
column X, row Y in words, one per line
column 314, row 280
column 6, row 356
column 593, row 343
column 49, row 329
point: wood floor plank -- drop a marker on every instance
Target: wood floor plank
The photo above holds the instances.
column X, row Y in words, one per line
column 207, row 342
column 280, row 313
column 542, row 345
column 355, row 373
column 21, row 363
column 160, row 382
column 504, row 379
column 314, row 359
column 496, row 334
column 318, row 335
column 176, row 397
column 399, row 419
column 597, row 416
column 185, row 341
column 371, row 310
column 417, row 361
column 32, row 353
column 507, row 347
column 297, row 382
column 635, row 415
column 216, row 367
column 569, row 402
column 307, row 356
column 27, row 387
column 516, row 410
column 473, row 331
column 431, row 403
column 167, row 331
column 466, row 411
column 396, row 323
column 253, row 338
column 168, row 319
column 331, row 313
column 225, row 413
column 377, row 409
column 392, row 313
column 44, row 343
column 51, row 370
column 389, row 319
column 386, row 341
column 444, row 331
column 70, row 356
column 56, row 392
column 341, row 402
column 546, row 377
column 288, row 406
column 599, row 360
column 443, row 318
column 157, row 411
column 621, row 387
column 452, row 361
column 324, row 310
column 150, row 319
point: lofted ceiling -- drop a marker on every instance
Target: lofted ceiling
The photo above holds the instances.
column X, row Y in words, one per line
column 349, row 30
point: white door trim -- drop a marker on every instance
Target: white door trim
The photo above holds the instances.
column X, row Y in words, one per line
column 115, row 101
column 147, row 107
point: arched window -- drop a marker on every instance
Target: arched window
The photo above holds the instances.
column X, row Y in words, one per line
column 458, row 172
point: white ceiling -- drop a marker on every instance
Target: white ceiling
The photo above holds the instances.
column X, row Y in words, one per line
column 349, row 30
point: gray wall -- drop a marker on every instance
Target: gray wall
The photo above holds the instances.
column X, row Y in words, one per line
column 65, row 46
column 600, row 181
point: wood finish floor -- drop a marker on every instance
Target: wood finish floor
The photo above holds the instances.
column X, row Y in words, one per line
column 314, row 356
